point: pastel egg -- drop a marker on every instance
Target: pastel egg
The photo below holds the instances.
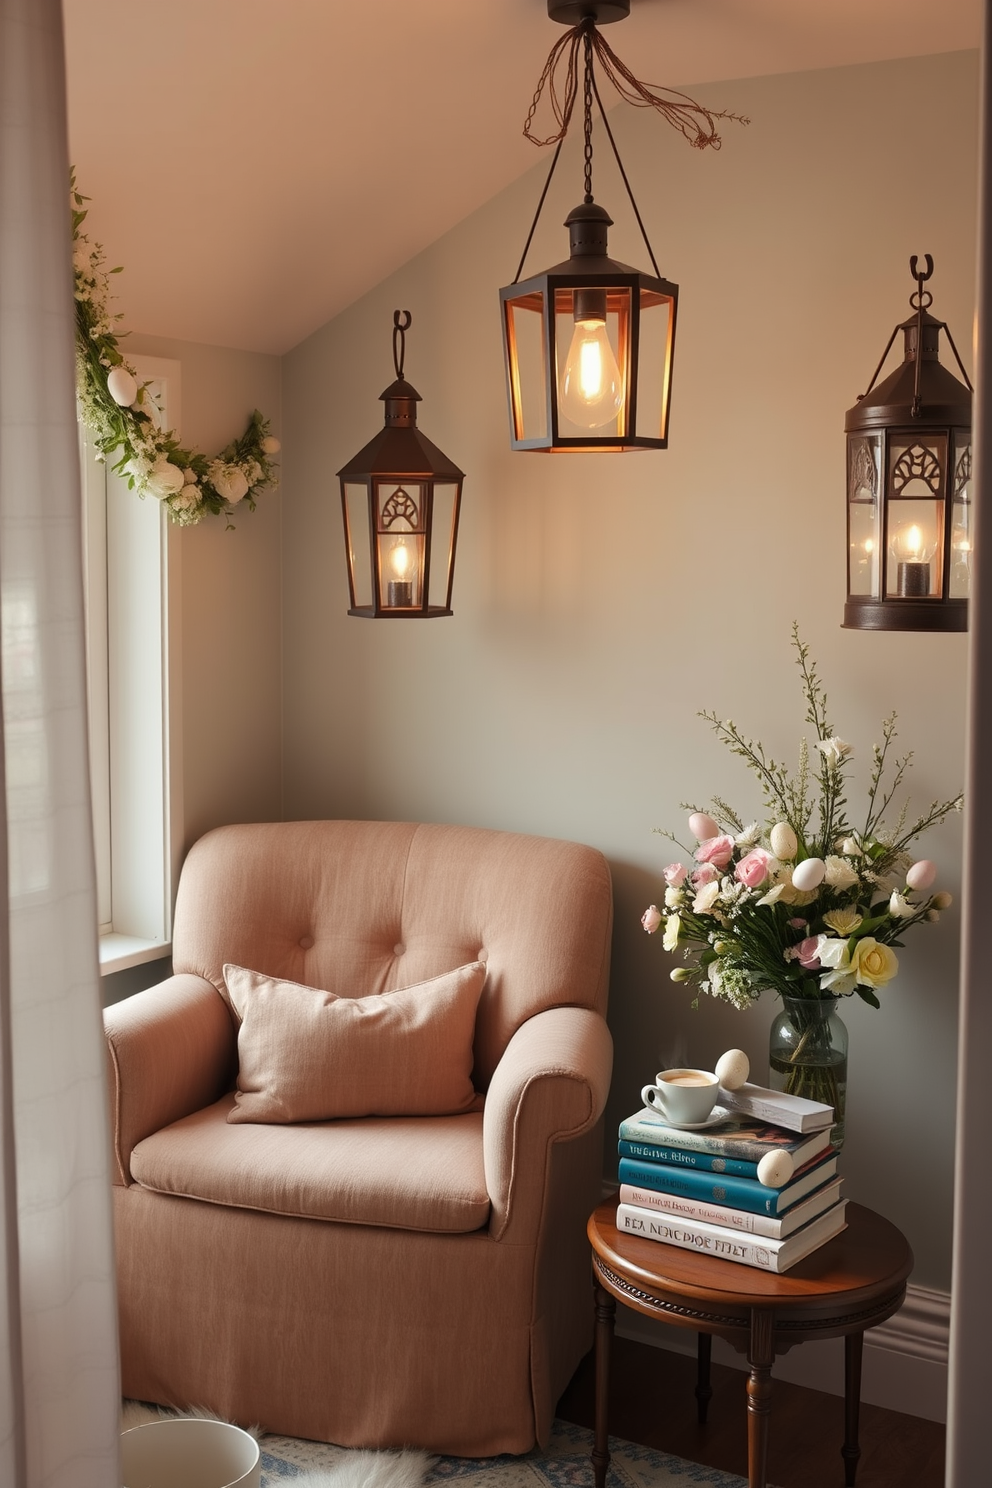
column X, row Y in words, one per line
column 808, row 874
column 776, row 1168
column 121, row 386
column 732, row 1069
column 703, row 827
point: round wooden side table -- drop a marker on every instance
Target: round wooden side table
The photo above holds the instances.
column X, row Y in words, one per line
column 856, row 1280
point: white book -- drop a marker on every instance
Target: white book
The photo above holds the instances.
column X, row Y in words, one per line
column 731, row 1245
column 774, row 1227
column 793, row 1112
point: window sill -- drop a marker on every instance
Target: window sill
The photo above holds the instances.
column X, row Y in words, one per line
column 117, row 952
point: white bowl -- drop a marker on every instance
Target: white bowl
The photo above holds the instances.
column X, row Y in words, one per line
column 189, row 1453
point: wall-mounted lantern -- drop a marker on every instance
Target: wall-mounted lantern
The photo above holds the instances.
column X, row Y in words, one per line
column 909, row 490
column 400, row 498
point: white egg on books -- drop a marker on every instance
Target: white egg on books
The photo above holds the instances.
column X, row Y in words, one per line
column 776, row 1168
column 732, row 1069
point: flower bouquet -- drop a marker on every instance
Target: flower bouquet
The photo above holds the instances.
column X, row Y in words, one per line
column 811, row 905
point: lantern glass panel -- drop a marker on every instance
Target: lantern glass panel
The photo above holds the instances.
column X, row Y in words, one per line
column 526, row 360
column 863, row 527
column 358, row 542
column 961, row 515
column 654, row 365
column 592, row 361
column 400, row 544
column 444, row 531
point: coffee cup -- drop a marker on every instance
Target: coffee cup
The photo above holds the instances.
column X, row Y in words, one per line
column 683, row 1096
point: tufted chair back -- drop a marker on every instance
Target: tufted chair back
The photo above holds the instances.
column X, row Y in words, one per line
column 358, row 907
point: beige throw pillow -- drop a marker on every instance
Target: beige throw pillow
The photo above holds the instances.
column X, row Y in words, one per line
column 308, row 1055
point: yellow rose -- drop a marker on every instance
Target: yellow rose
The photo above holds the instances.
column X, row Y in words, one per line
column 872, row 963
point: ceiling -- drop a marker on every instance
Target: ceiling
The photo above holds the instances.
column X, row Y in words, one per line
column 257, row 165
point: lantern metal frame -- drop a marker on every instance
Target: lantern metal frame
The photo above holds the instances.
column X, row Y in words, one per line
column 398, row 472
column 909, row 451
column 589, row 284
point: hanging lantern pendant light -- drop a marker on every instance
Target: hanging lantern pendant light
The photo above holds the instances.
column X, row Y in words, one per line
column 400, row 499
column 589, row 344
column 909, row 508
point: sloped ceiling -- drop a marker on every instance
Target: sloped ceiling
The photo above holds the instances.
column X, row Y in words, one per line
column 257, row 165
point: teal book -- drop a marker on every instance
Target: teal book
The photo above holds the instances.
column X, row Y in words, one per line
column 738, row 1193
column 734, row 1134
column 682, row 1157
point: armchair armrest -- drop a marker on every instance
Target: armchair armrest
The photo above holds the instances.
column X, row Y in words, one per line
column 171, row 1051
column 550, row 1086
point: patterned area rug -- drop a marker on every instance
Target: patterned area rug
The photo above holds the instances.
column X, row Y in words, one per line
column 565, row 1463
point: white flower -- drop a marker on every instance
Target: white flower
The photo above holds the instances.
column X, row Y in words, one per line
column 839, row 874
column 849, row 847
column 670, row 939
column 706, row 898
column 164, row 479
column 673, row 896
column 843, row 922
column 832, row 954
column 833, row 751
column 228, row 481
column 898, row 908
column 749, row 838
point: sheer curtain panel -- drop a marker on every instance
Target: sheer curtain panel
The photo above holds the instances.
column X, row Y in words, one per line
column 59, row 1377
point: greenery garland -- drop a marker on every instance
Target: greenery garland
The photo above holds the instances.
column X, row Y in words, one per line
column 122, row 416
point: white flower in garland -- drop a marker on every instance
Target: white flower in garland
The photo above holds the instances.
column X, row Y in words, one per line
column 122, row 418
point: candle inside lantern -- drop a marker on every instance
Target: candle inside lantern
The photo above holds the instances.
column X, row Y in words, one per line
column 913, row 572
column 399, row 590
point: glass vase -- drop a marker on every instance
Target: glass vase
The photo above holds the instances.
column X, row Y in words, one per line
column 807, row 1055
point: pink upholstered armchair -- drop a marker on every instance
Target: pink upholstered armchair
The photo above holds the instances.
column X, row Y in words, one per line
column 418, row 1280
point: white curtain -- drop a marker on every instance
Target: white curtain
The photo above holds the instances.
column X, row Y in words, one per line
column 59, row 1376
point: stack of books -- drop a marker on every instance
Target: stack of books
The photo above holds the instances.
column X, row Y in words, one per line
column 698, row 1187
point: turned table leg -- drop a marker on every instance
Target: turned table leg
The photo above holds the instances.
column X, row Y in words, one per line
column 606, row 1309
column 704, row 1390
column 760, row 1356
column 851, row 1451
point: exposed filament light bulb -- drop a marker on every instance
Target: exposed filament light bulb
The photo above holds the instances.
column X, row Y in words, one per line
column 591, row 384
column 399, row 589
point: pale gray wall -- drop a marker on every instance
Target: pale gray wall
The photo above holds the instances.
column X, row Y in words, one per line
column 231, row 603
column 600, row 601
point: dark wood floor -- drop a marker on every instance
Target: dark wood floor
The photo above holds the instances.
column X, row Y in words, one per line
column 652, row 1402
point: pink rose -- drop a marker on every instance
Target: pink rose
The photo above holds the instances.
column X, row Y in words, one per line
column 651, row 918
column 752, row 869
column 716, row 850
column 807, row 953
column 705, row 874
column 675, row 875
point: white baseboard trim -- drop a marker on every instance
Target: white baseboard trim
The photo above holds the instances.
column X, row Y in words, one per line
column 905, row 1359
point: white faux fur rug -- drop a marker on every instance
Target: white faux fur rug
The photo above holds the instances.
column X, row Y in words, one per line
column 564, row 1463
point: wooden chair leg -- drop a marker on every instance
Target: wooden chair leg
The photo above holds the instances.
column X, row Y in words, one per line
column 606, row 1309
column 704, row 1390
column 851, row 1450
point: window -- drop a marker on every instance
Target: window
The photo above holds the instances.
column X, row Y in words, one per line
column 131, row 558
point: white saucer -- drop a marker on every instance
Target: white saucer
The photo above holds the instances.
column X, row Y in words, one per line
column 718, row 1114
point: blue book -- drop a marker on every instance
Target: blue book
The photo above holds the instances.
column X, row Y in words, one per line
column 681, row 1157
column 739, row 1193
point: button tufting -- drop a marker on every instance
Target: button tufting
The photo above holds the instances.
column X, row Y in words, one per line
column 399, row 950
column 306, row 941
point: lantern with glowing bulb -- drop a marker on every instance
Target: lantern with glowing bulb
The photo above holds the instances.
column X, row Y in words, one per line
column 400, row 499
column 589, row 344
column 909, row 507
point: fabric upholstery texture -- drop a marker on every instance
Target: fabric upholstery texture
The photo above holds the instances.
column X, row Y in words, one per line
column 385, row 1281
column 305, row 1054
